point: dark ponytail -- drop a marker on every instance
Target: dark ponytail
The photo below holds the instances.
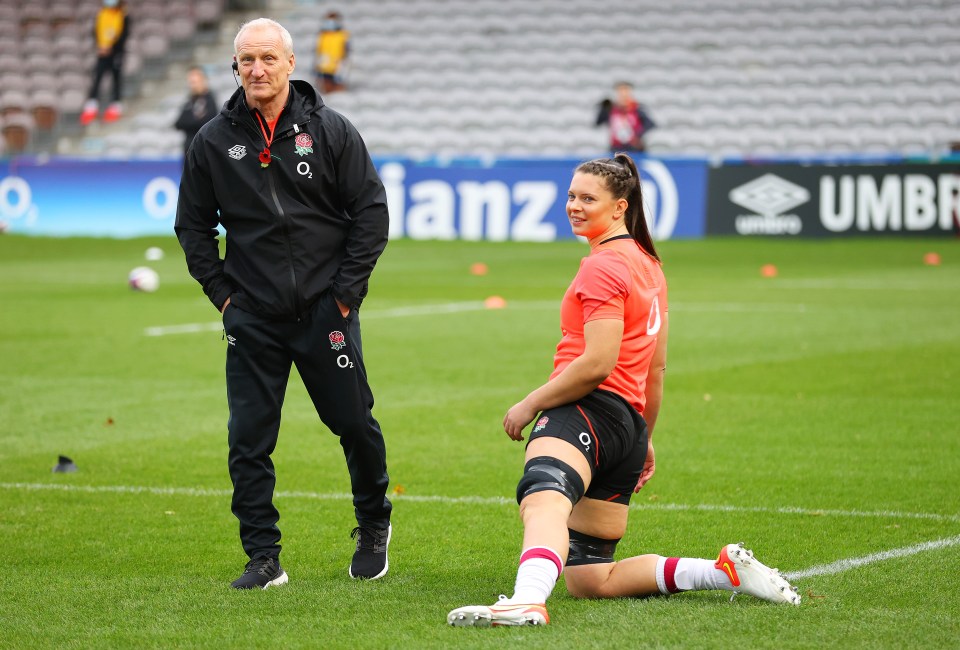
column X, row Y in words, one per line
column 622, row 180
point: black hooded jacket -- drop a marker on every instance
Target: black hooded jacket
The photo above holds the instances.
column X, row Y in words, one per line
column 314, row 219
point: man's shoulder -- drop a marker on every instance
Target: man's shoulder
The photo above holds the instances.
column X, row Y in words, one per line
column 215, row 133
column 333, row 123
column 306, row 102
column 330, row 116
column 215, row 125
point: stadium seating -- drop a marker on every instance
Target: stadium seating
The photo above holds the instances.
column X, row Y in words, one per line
column 47, row 56
column 481, row 77
column 741, row 78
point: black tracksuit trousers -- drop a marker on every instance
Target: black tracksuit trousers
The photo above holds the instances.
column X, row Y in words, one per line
column 326, row 349
column 113, row 64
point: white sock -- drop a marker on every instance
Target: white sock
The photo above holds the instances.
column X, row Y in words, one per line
column 537, row 575
column 688, row 574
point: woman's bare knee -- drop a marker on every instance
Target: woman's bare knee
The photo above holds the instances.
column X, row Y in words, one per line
column 588, row 581
column 546, row 502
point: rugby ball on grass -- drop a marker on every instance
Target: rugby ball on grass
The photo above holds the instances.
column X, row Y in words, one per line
column 143, row 278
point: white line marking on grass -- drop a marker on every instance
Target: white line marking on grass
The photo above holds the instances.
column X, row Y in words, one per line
column 188, row 328
column 885, row 514
column 819, row 570
column 495, row 500
column 739, row 307
column 213, row 492
column 478, row 305
column 396, row 312
column 426, row 310
column 861, row 285
column 122, row 489
column 852, row 563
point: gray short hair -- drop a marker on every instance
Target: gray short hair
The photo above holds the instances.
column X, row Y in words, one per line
column 285, row 37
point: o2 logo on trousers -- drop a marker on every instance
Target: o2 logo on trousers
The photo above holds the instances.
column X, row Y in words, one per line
column 344, row 361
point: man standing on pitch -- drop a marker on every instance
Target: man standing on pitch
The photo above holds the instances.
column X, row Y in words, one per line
column 305, row 216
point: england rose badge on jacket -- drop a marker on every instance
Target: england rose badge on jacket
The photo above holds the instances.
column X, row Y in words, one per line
column 304, row 144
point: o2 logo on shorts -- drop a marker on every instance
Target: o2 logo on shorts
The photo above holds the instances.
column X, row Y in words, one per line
column 541, row 424
column 585, row 440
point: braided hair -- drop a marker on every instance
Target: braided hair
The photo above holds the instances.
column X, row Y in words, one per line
column 621, row 178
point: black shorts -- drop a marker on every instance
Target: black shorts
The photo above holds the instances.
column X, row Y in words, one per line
column 611, row 435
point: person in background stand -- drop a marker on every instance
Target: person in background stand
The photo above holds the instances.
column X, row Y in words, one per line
column 627, row 119
column 333, row 48
column 200, row 107
column 110, row 30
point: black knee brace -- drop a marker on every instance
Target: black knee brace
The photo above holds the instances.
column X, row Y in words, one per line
column 586, row 549
column 546, row 473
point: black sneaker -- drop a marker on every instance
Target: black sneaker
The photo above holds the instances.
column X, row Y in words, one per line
column 370, row 558
column 260, row 573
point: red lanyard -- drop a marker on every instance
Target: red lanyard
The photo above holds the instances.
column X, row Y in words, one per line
column 265, row 157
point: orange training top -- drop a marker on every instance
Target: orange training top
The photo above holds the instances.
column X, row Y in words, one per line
column 617, row 280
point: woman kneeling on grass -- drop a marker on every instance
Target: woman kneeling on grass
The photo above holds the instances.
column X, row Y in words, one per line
column 592, row 446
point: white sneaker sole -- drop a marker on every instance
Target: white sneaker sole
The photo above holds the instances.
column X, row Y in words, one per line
column 386, row 560
column 481, row 616
column 282, row 579
column 756, row 578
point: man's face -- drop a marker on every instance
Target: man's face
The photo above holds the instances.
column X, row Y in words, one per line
column 264, row 66
column 196, row 82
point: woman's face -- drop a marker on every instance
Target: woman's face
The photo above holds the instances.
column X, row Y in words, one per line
column 591, row 207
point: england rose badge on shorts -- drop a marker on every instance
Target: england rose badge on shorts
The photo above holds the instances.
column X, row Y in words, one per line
column 337, row 340
column 304, row 144
column 541, row 423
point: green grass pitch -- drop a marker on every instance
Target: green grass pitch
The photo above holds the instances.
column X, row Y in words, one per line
column 812, row 415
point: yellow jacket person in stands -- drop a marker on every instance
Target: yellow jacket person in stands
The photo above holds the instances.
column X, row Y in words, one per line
column 110, row 31
column 333, row 48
